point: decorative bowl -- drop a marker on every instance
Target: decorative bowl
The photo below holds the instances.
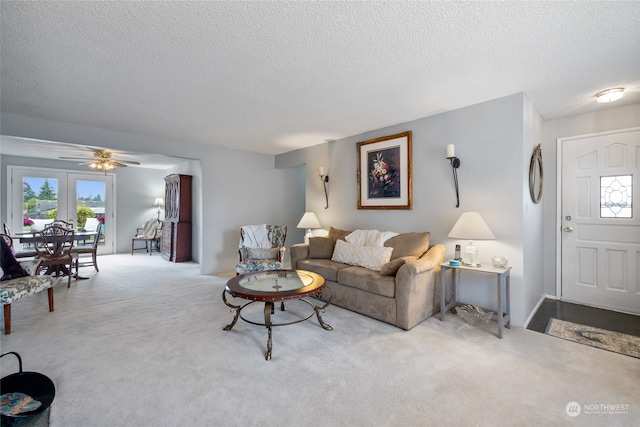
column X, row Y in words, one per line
column 499, row 261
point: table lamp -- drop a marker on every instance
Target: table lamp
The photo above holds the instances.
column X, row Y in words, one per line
column 470, row 226
column 309, row 220
column 159, row 202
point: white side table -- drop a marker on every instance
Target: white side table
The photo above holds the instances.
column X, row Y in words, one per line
column 502, row 276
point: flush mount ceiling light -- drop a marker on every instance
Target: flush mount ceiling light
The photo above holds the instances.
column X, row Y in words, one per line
column 610, row 95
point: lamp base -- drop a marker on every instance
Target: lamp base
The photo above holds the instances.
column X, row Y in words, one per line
column 307, row 236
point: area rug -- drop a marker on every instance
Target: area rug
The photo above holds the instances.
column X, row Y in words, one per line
column 628, row 345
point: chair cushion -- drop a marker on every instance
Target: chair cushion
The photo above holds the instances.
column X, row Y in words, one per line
column 13, row 290
column 257, row 265
column 11, row 268
column 260, row 253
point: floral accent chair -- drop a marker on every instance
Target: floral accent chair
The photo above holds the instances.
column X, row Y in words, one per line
column 261, row 248
column 18, row 280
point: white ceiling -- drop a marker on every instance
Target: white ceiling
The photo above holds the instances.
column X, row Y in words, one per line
column 272, row 77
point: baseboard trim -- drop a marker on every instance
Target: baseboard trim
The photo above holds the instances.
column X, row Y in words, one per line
column 535, row 309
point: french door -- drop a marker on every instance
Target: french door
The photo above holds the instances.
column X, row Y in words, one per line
column 600, row 220
column 37, row 196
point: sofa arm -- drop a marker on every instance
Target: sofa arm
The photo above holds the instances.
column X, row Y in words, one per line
column 417, row 293
column 299, row 252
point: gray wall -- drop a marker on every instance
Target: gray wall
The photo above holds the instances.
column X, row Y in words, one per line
column 494, row 141
column 231, row 188
column 489, row 140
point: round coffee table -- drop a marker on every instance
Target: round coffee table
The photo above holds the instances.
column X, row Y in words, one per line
column 273, row 286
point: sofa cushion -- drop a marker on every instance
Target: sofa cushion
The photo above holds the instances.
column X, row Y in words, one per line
column 324, row 267
column 409, row 244
column 368, row 280
column 371, row 257
column 392, row 267
column 321, row 247
column 338, row 234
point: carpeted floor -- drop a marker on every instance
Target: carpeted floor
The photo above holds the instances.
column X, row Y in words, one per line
column 141, row 344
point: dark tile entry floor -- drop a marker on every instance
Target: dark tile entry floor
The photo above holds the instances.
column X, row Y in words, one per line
column 584, row 315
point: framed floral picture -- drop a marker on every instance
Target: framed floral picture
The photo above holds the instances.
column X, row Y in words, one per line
column 384, row 172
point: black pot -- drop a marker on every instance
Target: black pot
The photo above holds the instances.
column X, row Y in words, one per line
column 33, row 384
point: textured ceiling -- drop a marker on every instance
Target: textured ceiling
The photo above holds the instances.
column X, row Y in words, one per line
column 272, row 77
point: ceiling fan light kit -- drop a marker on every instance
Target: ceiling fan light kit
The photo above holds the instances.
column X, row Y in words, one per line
column 103, row 161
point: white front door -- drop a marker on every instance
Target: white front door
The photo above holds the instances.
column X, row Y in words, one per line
column 600, row 224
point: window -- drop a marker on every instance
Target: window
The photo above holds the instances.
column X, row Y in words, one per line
column 616, row 196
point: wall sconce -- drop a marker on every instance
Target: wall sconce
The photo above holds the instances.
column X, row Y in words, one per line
column 455, row 164
column 324, row 178
column 158, row 202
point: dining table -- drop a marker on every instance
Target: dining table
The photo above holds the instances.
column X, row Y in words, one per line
column 78, row 235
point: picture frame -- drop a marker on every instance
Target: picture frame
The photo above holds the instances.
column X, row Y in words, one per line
column 384, row 172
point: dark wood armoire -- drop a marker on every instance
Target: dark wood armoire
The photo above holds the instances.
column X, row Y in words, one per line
column 176, row 229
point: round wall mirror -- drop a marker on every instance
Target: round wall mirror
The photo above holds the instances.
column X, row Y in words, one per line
column 536, row 176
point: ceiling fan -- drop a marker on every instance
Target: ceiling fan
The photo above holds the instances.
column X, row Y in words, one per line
column 102, row 160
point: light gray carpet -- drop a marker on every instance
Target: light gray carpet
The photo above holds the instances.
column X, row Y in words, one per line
column 141, row 344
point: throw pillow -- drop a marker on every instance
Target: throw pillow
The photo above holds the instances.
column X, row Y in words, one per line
column 262, row 253
column 371, row 257
column 338, row 234
column 369, row 237
column 321, row 247
column 392, row 267
column 10, row 266
column 30, row 266
column 409, row 244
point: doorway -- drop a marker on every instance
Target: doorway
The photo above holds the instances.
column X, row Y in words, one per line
column 599, row 231
column 37, row 196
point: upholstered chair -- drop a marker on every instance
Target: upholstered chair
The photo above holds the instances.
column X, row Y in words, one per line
column 261, row 248
column 150, row 234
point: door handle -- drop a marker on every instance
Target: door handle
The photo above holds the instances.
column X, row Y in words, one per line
column 568, row 229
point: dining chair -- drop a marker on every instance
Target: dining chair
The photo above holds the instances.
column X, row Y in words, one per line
column 53, row 247
column 82, row 253
column 62, row 223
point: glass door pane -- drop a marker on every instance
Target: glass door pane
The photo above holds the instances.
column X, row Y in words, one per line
column 92, row 204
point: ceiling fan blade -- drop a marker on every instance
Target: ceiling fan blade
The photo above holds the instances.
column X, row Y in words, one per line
column 129, row 162
column 117, row 163
column 74, row 158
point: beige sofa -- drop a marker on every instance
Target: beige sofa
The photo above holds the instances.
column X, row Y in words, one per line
column 403, row 293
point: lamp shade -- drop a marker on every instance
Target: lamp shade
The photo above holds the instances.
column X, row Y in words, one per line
column 158, row 202
column 309, row 220
column 471, row 226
